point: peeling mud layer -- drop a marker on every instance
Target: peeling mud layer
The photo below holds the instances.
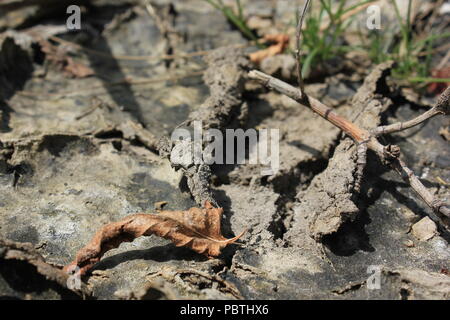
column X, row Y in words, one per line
column 77, row 153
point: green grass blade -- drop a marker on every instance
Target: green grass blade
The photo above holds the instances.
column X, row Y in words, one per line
column 429, row 79
column 357, row 5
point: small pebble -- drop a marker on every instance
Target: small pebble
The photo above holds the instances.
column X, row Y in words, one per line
column 425, row 229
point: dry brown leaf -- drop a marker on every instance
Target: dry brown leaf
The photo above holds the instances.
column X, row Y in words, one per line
column 196, row 228
column 281, row 41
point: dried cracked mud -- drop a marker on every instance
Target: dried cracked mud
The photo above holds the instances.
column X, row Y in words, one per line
column 77, row 153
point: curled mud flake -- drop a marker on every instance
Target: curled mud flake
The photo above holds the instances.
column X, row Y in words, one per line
column 196, row 228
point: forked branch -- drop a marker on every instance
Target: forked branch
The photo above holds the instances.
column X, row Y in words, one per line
column 389, row 154
column 441, row 107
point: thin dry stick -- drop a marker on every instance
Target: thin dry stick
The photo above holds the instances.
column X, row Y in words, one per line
column 441, row 107
column 297, row 51
column 388, row 154
column 141, row 58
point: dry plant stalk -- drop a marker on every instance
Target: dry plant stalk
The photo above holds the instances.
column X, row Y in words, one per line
column 196, row 228
column 389, row 154
column 298, row 36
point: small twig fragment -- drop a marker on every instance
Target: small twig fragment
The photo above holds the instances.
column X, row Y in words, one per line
column 441, row 107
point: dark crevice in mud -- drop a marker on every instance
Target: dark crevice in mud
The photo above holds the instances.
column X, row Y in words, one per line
column 110, row 134
column 18, row 171
column 227, row 256
column 38, row 55
column 16, row 69
column 278, row 225
column 350, row 238
column 382, row 87
column 6, row 151
column 263, row 110
column 117, row 144
column 55, row 144
column 138, row 143
column 327, row 69
column 229, row 251
column 5, row 116
column 116, row 136
column 288, row 186
column 221, row 266
column 220, row 174
column 301, row 176
column 404, row 294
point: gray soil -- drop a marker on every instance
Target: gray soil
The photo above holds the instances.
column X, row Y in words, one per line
column 76, row 154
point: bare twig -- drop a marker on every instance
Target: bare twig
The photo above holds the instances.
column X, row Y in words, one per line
column 410, row 178
column 441, row 107
column 299, row 44
column 357, row 134
column 389, row 154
